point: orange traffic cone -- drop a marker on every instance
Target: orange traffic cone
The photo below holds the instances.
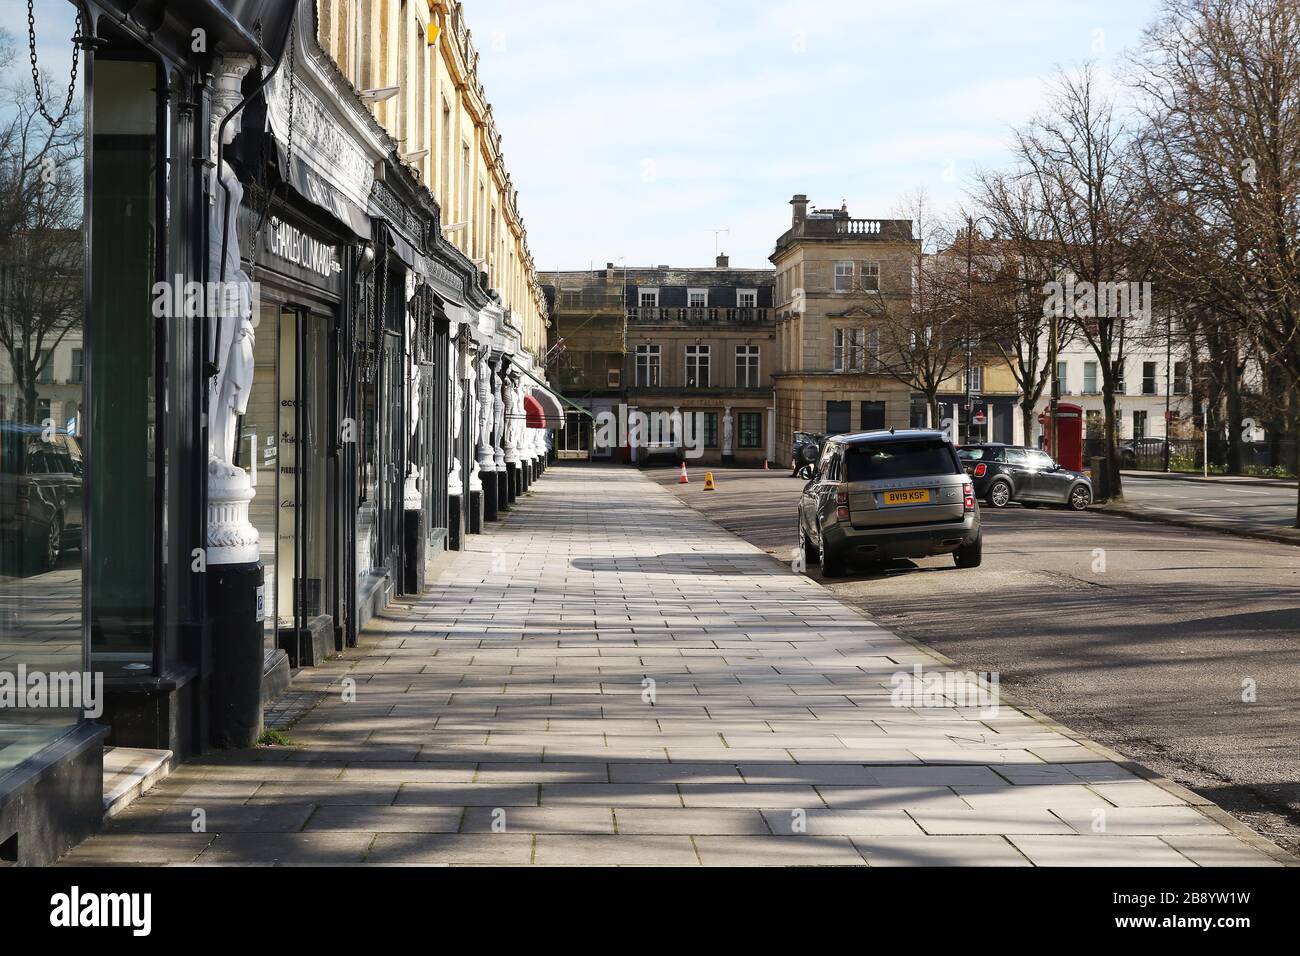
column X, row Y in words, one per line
column 683, row 480
column 708, row 481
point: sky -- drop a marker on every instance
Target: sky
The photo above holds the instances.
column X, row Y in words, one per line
column 635, row 130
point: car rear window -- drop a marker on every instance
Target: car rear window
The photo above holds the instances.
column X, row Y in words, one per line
column 978, row 454
column 900, row 459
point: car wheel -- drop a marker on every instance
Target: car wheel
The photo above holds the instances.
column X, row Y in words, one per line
column 1080, row 498
column 970, row 555
column 832, row 563
column 999, row 494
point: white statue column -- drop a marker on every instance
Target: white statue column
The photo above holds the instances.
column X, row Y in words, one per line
column 231, row 537
column 726, row 432
column 498, row 419
column 510, row 403
column 475, row 420
column 412, row 496
column 486, row 462
column 455, row 480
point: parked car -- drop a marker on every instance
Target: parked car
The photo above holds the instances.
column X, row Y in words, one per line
column 804, row 452
column 41, row 476
column 1148, row 451
column 882, row 496
column 1005, row 473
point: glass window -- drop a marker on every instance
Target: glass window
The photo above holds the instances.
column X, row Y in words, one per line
column 843, row 276
column 710, row 429
column 648, row 298
column 697, row 298
column 1139, row 425
column 873, row 416
column 900, row 459
column 870, row 276
column 1062, row 378
column 1090, row 378
column 1148, row 378
column 746, row 366
column 750, row 428
column 697, row 366
column 647, row 366
column 838, row 419
column 121, row 409
column 41, row 474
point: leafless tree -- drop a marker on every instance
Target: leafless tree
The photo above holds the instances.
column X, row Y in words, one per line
column 924, row 347
column 1220, row 82
column 41, row 258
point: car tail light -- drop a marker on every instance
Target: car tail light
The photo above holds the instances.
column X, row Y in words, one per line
column 842, row 506
column 968, row 491
column 981, row 469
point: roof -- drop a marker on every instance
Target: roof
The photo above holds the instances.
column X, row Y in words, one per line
column 900, row 434
column 655, row 276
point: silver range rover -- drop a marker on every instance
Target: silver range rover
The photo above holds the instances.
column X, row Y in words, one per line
column 881, row 496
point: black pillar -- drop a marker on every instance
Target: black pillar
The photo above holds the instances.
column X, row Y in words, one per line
column 235, row 687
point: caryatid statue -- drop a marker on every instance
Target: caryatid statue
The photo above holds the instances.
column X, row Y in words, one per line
column 412, row 498
column 476, row 430
column 231, row 538
column 509, row 405
column 498, row 418
column 486, row 461
column 454, row 478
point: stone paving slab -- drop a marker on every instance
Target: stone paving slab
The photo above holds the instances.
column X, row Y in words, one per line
column 608, row 678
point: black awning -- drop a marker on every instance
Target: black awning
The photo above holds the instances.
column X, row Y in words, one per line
column 317, row 190
column 405, row 251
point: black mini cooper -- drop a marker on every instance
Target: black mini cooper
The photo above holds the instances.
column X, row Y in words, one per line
column 1006, row 473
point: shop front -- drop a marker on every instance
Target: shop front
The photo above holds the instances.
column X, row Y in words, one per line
column 288, row 435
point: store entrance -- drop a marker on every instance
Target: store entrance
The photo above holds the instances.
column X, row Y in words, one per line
column 287, row 431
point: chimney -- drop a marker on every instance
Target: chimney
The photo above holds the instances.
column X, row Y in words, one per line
column 724, row 261
column 609, row 271
column 800, row 204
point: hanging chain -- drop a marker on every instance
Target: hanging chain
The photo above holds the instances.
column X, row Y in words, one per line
column 36, row 73
column 293, row 51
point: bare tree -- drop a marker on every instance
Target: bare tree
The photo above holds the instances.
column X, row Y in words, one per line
column 41, row 259
column 923, row 348
column 1221, row 167
column 1082, row 223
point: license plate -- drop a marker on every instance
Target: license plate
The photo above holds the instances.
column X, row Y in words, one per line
column 920, row 496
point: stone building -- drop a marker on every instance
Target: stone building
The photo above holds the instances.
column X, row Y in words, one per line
column 415, row 63
column 671, row 342
column 838, row 280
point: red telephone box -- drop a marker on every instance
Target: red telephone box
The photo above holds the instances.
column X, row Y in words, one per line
column 1068, row 450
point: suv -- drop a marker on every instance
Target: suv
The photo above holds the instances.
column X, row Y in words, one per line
column 804, row 451
column 881, row 496
column 40, row 497
column 1006, row 473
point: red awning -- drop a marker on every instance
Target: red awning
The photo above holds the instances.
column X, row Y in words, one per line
column 534, row 415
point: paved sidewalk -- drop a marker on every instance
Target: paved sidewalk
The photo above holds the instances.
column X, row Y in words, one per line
column 607, row 677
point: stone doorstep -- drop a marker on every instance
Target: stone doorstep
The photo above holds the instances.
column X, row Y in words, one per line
column 129, row 772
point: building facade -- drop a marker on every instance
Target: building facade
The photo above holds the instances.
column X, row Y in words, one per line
column 250, row 385
column 692, row 349
column 838, row 281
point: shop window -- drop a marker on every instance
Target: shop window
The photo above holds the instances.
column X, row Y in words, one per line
column 750, row 429
column 838, row 418
column 873, row 416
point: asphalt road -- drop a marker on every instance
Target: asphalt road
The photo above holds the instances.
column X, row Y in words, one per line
column 1142, row 636
column 1244, row 501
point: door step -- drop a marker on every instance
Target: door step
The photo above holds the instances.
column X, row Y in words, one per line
column 128, row 773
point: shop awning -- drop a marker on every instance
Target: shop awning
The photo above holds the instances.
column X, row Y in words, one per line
column 318, row 190
column 534, row 417
column 551, row 411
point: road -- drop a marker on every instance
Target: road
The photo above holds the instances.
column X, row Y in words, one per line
column 1143, row 636
column 1243, row 502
